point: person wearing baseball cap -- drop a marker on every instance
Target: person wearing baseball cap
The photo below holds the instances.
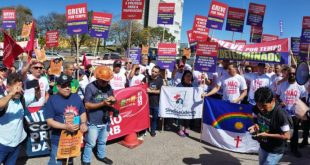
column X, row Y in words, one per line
column 119, row 79
column 98, row 101
column 64, row 111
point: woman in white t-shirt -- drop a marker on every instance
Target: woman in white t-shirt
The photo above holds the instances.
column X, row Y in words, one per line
column 234, row 86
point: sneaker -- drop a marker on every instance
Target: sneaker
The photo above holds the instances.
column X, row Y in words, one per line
column 181, row 133
column 153, row 133
column 297, row 154
column 106, row 160
column 186, row 132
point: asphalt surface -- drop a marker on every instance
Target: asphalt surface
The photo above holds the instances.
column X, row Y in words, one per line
column 167, row 148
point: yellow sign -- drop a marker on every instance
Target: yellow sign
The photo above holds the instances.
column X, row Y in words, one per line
column 26, row 30
column 145, row 49
column 40, row 55
column 69, row 144
column 55, row 67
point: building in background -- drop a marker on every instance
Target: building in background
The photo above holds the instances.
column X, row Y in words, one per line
column 151, row 13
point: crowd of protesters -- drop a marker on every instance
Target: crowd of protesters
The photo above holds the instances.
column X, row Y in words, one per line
column 272, row 89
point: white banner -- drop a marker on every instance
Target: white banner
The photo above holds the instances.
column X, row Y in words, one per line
column 180, row 102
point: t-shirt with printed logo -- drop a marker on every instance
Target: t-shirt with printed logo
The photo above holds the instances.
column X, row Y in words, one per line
column 232, row 85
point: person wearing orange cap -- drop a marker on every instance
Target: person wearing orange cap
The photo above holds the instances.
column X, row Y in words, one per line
column 98, row 101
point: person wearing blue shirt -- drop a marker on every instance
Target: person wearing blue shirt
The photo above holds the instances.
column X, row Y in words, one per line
column 62, row 110
column 12, row 105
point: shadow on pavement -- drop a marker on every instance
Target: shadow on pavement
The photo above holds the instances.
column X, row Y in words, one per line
column 214, row 157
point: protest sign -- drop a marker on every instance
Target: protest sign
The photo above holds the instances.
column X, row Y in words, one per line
column 269, row 37
column 216, row 15
column 200, row 32
column 268, row 52
column 256, row 34
column 206, row 56
column 295, row 45
column 8, row 18
column 240, row 42
column 69, row 144
column 304, row 49
column 133, row 106
column 51, row 38
column 145, row 49
column 235, row 19
column 187, row 53
column 77, row 19
column 135, row 55
column 132, row 9
column 101, row 23
column 40, row 55
column 191, row 40
column 56, row 66
column 305, row 34
column 165, row 13
column 180, row 102
column 26, row 29
column 166, row 55
column 39, row 133
column 256, row 14
column 225, row 125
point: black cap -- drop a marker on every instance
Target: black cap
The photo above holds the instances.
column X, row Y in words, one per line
column 63, row 79
column 117, row 63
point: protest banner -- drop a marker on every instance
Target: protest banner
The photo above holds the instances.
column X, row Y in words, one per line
column 135, row 55
column 295, row 45
column 256, row 34
column 165, row 13
column 166, row 55
column 235, row 19
column 187, row 53
column 26, row 30
column 225, row 125
column 216, row 16
column 77, row 19
column 8, row 18
column 56, row 66
column 145, row 49
column 133, row 106
column 132, row 9
column 200, row 32
column 269, row 37
column 268, row 52
column 256, row 14
column 69, row 144
column 191, row 40
column 39, row 133
column 240, row 42
column 206, row 57
column 52, row 38
column 305, row 34
column 304, row 49
column 101, row 23
column 180, row 102
column 40, row 55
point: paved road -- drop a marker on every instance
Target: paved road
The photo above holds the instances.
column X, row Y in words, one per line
column 167, row 148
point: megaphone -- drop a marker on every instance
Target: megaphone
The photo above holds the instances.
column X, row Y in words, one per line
column 302, row 73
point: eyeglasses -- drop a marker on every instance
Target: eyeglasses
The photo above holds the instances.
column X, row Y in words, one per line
column 36, row 68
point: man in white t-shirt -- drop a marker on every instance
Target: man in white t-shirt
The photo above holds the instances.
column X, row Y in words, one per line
column 145, row 66
column 276, row 77
column 234, row 86
column 257, row 80
column 288, row 93
column 135, row 77
column 269, row 70
column 119, row 78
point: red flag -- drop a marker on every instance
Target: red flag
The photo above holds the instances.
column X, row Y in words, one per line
column 10, row 50
column 30, row 45
column 85, row 62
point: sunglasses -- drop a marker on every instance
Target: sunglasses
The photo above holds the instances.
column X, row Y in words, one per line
column 65, row 85
column 36, row 68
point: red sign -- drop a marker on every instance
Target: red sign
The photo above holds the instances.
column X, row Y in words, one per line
column 167, row 49
column 76, row 12
column 132, row 9
column 8, row 14
column 269, row 37
column 218, row 9
column 207, row 49
column 190, row 36
column 133, row 106
column 166, row 7
column 306, row 22
column 200, row 31
column 256, row 34
column 101, row 18
column 240, row 42
column 52, row 38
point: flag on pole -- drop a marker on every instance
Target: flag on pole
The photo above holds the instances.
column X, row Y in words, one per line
column 225, row 126
column 30, row 45
column 11, row 50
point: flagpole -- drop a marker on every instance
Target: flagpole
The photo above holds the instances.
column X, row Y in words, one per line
column 129, row 37
column 232, row 38
column 77, row 53
column 163, row 33
column 96, row 47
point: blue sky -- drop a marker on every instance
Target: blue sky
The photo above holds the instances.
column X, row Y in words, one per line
column 290, row 11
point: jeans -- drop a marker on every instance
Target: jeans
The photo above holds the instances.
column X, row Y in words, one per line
column 53, row 155
column 154, row 112
column 266, row 158
column 95, row 134
column 9, row 155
